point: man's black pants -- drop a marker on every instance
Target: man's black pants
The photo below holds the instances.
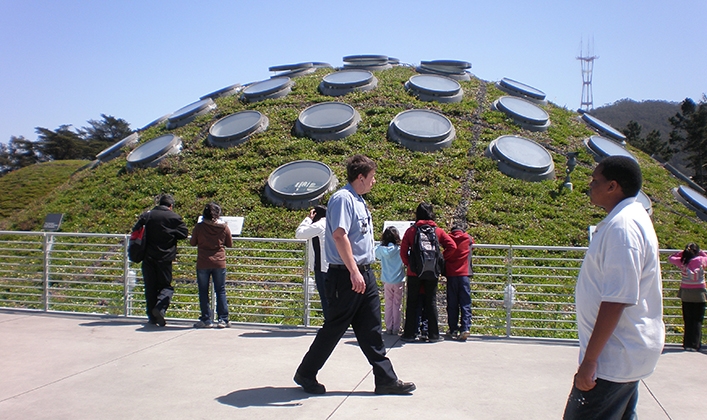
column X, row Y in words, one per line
column 158, row 285
column 363, row 313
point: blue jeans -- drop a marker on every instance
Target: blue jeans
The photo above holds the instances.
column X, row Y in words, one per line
column 606, row 401
column 219, row 277
column 458, row 300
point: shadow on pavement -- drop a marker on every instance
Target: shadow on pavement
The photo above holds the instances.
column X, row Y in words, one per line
column 277, row 397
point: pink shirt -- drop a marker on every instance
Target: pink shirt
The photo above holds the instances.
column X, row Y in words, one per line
column 693, row 275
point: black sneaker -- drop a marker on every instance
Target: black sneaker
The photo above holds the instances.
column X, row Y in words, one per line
column 159, row 317
column 396, row 388
column 310, row 386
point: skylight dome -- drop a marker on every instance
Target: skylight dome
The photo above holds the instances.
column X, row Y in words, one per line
column 454, row 69
column 347, row 81
column 601, row 147
column 293, row 70
column 422, row 130
column 604, row 129
column 223, row 92
column 431, row 87
column 692, row 199
column 370, row 62
column 151, row 153
column 115, row 150
column 523, row 112
column 300, row 184
column 645, row 201
column 522, row 158
column 328, row 121
column 237, row 128
column 268, row 89
column 156, row 122
column 185, row 115
column 521, row 90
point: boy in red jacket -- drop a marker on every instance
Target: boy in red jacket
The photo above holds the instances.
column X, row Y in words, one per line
column 457, row 268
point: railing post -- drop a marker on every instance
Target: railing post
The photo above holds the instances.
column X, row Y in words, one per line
column 45, row 278
column 305, row 283
column 127, row 286
column 509, row 285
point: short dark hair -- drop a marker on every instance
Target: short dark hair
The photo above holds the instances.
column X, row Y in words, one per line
column 359, row 165
column 212, row 212
column 319, row 212
column 424, row 212
column 625, row 171
column 390, row 236
column 166, row 200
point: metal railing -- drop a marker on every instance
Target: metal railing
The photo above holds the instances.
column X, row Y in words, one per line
column 525, row 291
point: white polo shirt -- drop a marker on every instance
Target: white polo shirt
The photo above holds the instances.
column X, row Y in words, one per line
column 622, row 266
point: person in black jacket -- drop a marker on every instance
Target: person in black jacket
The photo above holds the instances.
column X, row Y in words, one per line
column 164, row 228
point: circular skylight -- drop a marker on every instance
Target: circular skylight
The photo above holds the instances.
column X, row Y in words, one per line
column 371, row 62
column 422, row 130
column 158, row 121
column 522, row 158
column 268, row 89
column 290, row 67
column 237, row 128
column 227, row 91
column 328, row 121
column 185, row 115
column 603, row 128
column 429, row 87
column 300, row 184
column 115, row 150
column 601, row 147
column 347, row 81
column 454, row 69
column 516, row 88
column 645, row 201
column 524, row 113
column 693, row 200
column 151, row 153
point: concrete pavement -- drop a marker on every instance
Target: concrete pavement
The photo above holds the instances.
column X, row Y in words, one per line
column 89, row 367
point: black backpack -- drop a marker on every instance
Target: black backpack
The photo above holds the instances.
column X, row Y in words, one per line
column 426, row 259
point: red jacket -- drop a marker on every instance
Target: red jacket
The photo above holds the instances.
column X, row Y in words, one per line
column 457, row 264
column 445, row 242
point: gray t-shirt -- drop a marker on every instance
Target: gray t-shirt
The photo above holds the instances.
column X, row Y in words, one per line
column 347, row 210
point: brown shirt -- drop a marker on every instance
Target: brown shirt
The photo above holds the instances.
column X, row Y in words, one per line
column 210, row 239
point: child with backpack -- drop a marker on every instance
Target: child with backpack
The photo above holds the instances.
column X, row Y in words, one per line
column 457, row 270
column 420, row 252
column 393, row 276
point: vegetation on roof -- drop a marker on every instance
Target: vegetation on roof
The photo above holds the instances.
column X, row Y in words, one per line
column 461, row 183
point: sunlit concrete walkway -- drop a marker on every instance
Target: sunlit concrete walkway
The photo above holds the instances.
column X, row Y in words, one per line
column 84, row 367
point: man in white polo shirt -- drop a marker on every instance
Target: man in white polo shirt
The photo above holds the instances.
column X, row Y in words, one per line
column 618, row 298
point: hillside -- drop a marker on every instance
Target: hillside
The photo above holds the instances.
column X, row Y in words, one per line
column 24, row 187
column 460, row 181
column 651, row 115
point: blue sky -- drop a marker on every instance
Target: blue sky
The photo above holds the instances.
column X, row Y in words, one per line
column 68, row 61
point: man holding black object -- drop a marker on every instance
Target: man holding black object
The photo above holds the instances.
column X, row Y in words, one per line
column 164, row 228
column 351, row 288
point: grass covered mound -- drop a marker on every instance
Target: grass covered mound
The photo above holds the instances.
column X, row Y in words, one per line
column 459, row 181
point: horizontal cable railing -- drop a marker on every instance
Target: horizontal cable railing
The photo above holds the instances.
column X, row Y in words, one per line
column 525, row 291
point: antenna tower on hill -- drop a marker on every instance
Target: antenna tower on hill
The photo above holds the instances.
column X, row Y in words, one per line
column 587, row 69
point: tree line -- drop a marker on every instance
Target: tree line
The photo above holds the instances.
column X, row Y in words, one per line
column 64, row 143
column 688, row 137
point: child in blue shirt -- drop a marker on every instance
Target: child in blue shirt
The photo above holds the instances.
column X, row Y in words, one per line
column 393, row 276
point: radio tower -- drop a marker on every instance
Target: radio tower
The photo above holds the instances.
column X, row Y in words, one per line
column 587, row 68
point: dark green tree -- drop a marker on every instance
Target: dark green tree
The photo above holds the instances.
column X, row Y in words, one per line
column 690, row 135
column 62, row 144
column 652, row 144
column 108, row 130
